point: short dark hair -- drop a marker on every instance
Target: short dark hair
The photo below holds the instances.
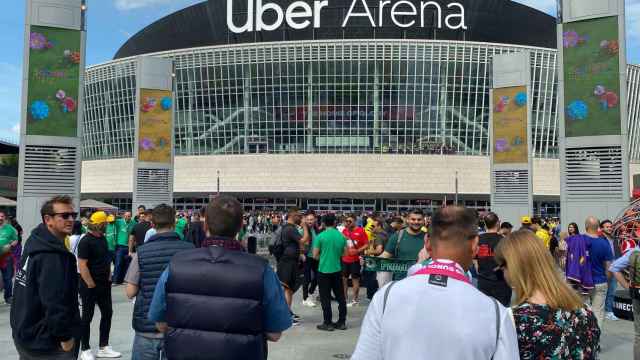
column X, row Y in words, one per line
column 397, row 219
column 491, row 220
column 293, row 211
column 148, row 212
column 455, row 225
column 329, row 219
column 142, row 207
column 47, row 207
column 506, row 225
column 536, row 220
column 605, row 222
column 417, row 212
column 163, row 216
column 224, row 216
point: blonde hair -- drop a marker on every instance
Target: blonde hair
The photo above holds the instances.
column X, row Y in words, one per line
column 532, row 268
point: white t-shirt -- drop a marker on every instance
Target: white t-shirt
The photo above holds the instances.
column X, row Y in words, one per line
column 74, row 240
column 424, row 321
column 149, row 234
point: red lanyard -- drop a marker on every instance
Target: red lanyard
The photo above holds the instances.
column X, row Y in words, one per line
column 445, row 268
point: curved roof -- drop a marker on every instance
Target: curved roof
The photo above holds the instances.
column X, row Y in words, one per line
column 205, row 24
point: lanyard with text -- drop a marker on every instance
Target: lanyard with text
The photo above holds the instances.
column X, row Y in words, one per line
column 445, row 268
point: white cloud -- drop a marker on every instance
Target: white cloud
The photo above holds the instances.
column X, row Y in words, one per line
column 548, row 6
column 10, row 100
column 16, row 129
column 124, row 5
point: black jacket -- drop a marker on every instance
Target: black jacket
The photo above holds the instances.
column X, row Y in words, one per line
column 45, row 299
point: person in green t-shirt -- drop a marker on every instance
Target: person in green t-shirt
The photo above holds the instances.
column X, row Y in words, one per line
column 181, row 225
column 310, row 264
column 8, row 240
column 329, row 247
column 407, row 243
column 124, row 225
column 110, row 236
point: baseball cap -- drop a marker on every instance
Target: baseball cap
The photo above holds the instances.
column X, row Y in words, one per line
column 525, row 220
column 98, row 217
column 111, row 218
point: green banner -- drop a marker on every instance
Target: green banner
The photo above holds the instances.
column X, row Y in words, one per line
column 592, row 77
column 395, row 266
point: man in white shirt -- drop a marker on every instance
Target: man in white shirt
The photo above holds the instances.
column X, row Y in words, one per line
column 437, row 313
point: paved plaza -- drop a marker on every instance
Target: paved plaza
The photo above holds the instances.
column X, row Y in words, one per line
column 303, row 342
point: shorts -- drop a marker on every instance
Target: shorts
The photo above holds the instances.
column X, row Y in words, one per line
column 352, row 269
column 289, row 274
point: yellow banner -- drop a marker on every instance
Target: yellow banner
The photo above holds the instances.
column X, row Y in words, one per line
column 510, row 125
column 155, row 129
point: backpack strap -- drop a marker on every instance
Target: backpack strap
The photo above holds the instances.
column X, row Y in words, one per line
column 386, row 296
column 497, row 310
column 400, row 235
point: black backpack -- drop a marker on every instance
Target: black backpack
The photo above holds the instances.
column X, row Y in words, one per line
column 276, row 244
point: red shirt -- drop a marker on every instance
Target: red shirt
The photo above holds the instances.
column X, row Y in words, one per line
column 355, row 240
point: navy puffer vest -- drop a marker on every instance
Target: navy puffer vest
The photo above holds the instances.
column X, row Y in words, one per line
column 153, row 258
column 214, row 305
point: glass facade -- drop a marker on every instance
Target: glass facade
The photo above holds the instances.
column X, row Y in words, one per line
column 374, row 96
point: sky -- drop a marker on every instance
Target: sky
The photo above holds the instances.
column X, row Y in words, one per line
column 111, row 22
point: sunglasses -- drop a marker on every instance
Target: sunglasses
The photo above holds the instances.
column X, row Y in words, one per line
column 66, row 215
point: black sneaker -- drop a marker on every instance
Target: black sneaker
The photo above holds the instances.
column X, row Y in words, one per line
column 325, row 327
column 295, row 322
column 340, row 326
column 295, row 317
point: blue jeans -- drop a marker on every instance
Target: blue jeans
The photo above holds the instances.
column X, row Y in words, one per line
column 611, row 291
column 7, row 278
column 120, row 269
column 147, row 348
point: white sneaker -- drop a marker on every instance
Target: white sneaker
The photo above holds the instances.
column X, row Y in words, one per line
column 611, row 316
column 353, row 303
column 87, row 355
column 107, row 352
column 308, row 303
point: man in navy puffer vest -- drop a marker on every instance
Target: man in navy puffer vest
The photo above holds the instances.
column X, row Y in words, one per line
column 218, row 302
column 147, row 265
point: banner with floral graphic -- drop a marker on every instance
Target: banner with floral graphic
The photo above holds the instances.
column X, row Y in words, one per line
column 592, row 77
column 54, row 81
column 510, row 125
column 155, row 126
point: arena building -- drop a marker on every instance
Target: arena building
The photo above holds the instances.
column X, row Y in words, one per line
column 332, row 105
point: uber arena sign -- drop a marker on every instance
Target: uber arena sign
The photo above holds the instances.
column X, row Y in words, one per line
column 300, row 15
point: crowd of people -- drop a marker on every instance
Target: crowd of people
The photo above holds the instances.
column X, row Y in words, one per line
column 532, row 293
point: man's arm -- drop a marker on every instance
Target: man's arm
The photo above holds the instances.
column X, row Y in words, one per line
column 389, row 249
column 369, row 346
column 306, row 235
column 56, row 295
column 619, row 265
column 316, row 253
column 132, row 242
column 158, row 307
column 85, row 274
column 132, row 278
column 276, row 314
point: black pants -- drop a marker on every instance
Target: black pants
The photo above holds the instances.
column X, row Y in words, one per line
column 310, row 277
column 500, row 291
column 328, row 283
column 371, row 282
column 101, row 296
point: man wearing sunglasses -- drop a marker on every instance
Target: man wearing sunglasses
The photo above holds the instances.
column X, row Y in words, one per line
column 45, row 318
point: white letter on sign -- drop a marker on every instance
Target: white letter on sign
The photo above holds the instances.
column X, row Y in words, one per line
column 367, row 13
column 246, row 27
column 260, row 10
column 292, row 14
column 460, row 25
column 395, row 12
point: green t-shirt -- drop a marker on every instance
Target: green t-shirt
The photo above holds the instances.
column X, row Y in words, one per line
column 181, row 224
column 8, row 234
column 331, row 244
column 110, row 235
column 409, row 248
column 124, row 230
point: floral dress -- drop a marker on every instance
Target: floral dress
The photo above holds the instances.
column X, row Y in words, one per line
column 544, row 333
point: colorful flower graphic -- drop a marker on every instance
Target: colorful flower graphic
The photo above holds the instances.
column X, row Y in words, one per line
column 148, row 104
column 38, row 41
column 502, row 145
column 147, row 144
column 39, row 110
column 521, row 99
column 60, row 95
column 570, row 39
column 609, row 100
column 599, row 90
column 578, row 110
column 166, row 103
column 517, row 141
column 68, row 105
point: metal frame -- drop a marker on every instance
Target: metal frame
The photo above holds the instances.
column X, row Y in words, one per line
column 575, row 211
column 519, row 74
column 153, row 73
column 66, row 14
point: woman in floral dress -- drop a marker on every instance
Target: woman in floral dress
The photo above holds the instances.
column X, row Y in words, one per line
column 551, row 321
